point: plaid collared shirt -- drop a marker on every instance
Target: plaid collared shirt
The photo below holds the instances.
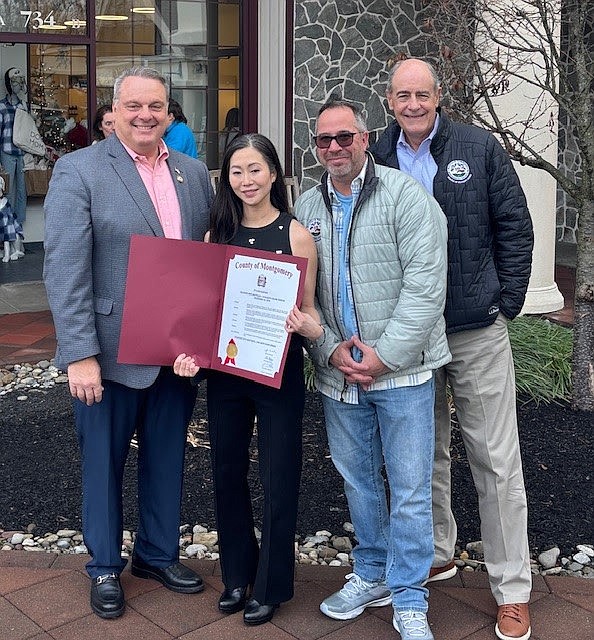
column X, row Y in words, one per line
column 351, row 395
column 342, row 220
column 7, row 110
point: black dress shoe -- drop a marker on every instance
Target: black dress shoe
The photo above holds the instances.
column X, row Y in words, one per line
column 176, row 577
column 256, row 613
column 107, row 596
column 232, row 600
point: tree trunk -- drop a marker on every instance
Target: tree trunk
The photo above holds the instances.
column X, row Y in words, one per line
column 583, row 325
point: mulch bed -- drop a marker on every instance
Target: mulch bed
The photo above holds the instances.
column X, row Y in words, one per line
column 40, row 474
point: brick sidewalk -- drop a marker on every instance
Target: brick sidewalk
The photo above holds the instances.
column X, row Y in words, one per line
column 26, row 337
column 46, row 597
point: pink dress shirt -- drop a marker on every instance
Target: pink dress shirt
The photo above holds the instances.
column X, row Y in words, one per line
column 161, row 189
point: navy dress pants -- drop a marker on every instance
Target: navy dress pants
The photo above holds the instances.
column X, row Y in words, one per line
column 159, row 415
column 233, row 402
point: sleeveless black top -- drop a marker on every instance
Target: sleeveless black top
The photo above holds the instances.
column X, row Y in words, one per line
column 273, row 237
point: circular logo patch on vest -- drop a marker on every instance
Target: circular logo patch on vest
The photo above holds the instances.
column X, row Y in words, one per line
column 458, row 171
column 314, row 227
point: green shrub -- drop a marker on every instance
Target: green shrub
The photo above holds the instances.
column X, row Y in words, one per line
column 542, row 359
column 308, row 369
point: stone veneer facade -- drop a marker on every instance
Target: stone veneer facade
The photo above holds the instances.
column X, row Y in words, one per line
column 342, row 47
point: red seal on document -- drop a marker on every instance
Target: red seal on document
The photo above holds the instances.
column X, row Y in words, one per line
column 231, row 352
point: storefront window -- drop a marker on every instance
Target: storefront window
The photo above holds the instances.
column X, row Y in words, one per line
column 58, row 95
column 193, row 43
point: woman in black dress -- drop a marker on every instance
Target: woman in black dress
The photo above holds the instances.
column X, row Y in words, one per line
column 251, row 210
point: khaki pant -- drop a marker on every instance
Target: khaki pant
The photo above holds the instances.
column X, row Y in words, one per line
column 481, row 376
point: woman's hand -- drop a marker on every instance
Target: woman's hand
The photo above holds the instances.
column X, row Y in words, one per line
column 303, row 324
column 185, row 366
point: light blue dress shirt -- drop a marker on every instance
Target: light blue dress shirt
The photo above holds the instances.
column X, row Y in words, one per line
column 418, row 164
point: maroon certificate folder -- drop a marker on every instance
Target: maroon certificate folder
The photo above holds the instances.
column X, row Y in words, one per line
column 224, row 305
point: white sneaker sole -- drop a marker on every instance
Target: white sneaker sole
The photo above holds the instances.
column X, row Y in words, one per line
column 444, row 575
column 504, row 637
column 353, row 613
column 395, row 625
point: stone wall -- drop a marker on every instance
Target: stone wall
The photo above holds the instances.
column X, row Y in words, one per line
column 341, row 47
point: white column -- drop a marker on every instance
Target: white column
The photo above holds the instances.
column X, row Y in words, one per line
column 543, row 295
column 521, row 101
column 271, row 72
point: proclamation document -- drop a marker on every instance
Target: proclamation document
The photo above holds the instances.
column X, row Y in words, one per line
column 259, row 294
column 224, row 305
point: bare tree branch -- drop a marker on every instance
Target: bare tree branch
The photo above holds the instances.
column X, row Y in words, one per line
column 492, row 52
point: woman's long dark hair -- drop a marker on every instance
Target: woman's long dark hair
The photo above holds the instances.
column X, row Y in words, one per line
column 101, row 111
column 175, row 109
column 226, row 212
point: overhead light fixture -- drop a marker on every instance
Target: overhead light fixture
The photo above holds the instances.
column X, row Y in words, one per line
column 75, row 23
column 53, row 27
column 112, row 18
column 147, row 10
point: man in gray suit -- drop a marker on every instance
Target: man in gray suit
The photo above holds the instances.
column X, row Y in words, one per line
column 99, row 196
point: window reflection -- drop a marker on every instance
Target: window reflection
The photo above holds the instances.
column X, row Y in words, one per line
column 58, row 95
column 193, row 43
column 43, row 16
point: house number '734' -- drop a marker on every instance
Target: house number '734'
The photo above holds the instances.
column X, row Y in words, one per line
column 34, row 19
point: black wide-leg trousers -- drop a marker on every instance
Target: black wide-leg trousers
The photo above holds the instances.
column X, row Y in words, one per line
column 233, row 403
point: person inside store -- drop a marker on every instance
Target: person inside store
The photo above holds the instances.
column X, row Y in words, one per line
column 11, row 157
column 251, row 210
column 103, row 124
column 489, row 261
column 178, row 135
column 230, row 131
column 87, row 238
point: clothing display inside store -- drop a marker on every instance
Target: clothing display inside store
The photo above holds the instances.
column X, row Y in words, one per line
column 11, row 156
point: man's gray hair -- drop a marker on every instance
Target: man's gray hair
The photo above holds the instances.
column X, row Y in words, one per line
column 334, row 103
column 138, row 72
column 398, row 64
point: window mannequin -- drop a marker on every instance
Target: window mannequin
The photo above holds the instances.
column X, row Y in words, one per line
column 76, row 133
column 10, row 229
column 11, row 157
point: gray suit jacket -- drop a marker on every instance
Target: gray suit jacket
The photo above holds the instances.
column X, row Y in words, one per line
column 95, row 203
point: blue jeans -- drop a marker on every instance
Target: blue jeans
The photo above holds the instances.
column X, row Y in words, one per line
column 17, row 192
column 395, row 545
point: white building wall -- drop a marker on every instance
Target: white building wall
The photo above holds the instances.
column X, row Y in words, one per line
column 523, row 101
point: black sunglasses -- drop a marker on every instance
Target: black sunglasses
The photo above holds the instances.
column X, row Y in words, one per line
column 343, row 139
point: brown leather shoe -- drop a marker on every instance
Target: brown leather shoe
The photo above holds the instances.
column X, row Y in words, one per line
column 442, row 573
column 513, row 622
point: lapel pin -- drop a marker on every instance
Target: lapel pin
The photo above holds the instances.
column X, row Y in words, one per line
column 179, row 176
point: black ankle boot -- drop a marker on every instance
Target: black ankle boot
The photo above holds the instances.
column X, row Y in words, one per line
column 232, row 600
column 256, row 613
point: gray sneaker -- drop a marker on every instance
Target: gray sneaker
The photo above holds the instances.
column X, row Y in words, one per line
column 412, row 625
column 354, row 597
